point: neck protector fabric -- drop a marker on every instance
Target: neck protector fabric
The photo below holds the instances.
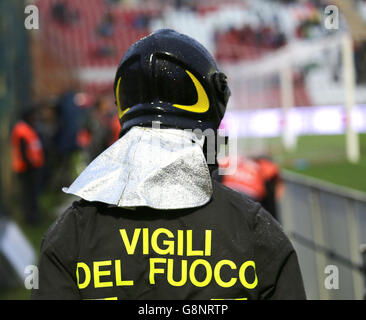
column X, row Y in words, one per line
column 157, row 168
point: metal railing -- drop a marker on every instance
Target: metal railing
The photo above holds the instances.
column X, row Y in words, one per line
column 327, row 226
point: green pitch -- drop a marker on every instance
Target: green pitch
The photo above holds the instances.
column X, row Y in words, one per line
column 322, row 157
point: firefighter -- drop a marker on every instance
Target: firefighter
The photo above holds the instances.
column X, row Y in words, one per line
column 152, row 223
column 27, row 162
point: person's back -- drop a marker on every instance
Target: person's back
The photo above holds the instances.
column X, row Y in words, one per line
column 152, row 224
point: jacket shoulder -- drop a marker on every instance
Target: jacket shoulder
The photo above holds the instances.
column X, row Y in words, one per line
column 68, row 225
column 266, row 231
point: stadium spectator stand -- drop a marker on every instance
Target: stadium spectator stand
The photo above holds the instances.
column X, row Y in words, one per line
column 90, row 36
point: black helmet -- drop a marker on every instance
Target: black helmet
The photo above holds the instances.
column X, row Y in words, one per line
column 172, row 79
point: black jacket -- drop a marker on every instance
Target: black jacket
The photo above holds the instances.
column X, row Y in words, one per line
column 228, row 249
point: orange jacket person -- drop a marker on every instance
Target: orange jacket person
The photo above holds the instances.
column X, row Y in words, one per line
column 27, row 160
column 247, row 178
column 257, row 178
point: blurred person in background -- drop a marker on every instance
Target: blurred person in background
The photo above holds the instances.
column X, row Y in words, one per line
column 274, row 186
column 106, row 27
column 27, row 162
column 258, row 178
column 47, row 127
column 100, row 128
column 71, row 110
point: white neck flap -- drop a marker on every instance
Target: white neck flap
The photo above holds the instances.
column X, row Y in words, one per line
column 157, row 168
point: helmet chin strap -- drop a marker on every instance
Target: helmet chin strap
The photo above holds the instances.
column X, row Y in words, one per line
column 222, row 90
